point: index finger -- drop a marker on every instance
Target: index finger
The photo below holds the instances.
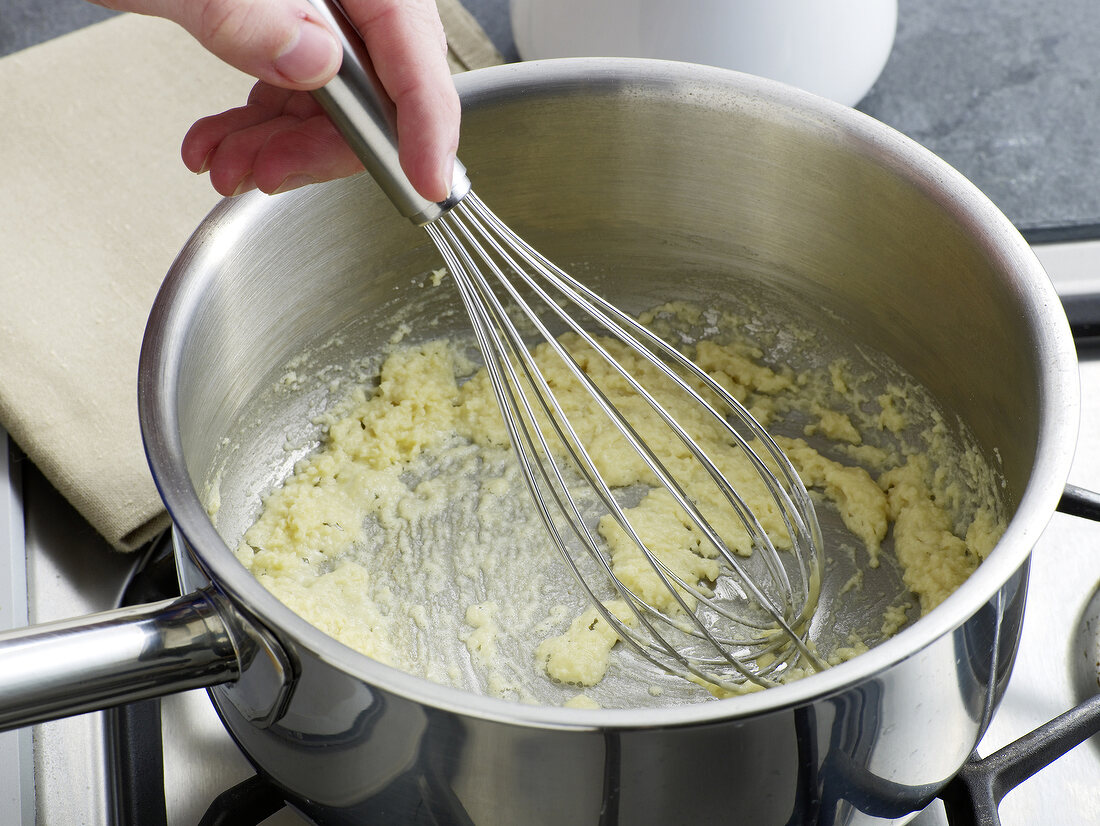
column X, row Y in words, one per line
column 407, row 45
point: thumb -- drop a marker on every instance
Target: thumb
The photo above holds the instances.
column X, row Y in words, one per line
column 283, row 42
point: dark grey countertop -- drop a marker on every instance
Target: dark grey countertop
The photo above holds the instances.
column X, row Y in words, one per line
column 1006, row 92
column 1009, row 94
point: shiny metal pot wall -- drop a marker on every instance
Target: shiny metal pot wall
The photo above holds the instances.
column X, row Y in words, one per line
column 658, row 176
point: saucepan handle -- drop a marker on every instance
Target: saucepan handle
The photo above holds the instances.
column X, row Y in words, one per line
column 70, row 667
column 1083, row 314
column 1080, row 502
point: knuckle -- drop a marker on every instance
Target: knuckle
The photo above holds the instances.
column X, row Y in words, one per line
column 219, row 22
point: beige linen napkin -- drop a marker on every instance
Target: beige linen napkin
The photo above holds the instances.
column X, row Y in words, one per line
column 96, row 203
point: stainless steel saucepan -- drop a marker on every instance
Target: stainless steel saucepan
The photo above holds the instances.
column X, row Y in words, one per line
column 667, row 180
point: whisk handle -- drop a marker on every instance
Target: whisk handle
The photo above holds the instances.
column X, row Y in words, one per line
column 366, row 117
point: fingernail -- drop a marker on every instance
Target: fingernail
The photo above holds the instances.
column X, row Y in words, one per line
column 202, row 170
column 293, row 182
column 448, row 178
column 246, row 185
column 310, row 57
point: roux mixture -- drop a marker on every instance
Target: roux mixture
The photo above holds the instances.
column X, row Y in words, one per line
column 409, row 535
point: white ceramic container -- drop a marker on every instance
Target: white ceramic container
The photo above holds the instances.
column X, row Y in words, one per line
column 834, row 48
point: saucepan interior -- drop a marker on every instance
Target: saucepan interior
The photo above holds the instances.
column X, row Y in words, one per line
column 651, row 185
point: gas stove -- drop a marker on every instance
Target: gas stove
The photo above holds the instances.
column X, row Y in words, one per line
column 173, row 754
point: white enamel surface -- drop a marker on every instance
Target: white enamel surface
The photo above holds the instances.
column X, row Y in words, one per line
column 834, row 49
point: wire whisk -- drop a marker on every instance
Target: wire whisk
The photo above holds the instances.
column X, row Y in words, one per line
column 746, row 622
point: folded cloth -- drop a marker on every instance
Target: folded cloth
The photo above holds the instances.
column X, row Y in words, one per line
column 96, row 204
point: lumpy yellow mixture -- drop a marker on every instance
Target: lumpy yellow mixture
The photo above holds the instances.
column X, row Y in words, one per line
column 408, row 536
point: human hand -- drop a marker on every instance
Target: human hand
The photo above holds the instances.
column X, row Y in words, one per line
column 281, row 139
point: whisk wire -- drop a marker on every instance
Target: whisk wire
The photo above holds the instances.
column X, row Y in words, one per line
column 462, row 236
column 484, row 317
column 807, row 537
column 613, row 319
column 747, row 518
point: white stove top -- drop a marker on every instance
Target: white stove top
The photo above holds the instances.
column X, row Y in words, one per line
column 55, row 773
